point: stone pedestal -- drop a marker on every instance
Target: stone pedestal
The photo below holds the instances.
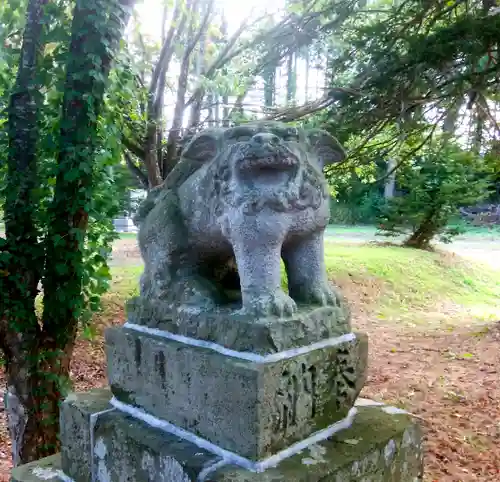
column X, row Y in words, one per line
column 249, row 404
column 183, row 409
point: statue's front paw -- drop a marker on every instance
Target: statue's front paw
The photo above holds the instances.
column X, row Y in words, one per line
column 318, row 294
column 277, row 303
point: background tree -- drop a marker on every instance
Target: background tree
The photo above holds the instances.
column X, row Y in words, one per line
column 56, row 161
column 425, row 68
column 435, row 184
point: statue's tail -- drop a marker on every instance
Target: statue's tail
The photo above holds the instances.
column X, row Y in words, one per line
column 147, row 205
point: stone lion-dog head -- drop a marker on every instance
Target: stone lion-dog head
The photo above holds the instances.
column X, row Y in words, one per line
column 270, row 164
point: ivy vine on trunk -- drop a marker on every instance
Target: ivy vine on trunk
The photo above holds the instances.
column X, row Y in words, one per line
column 38, row 348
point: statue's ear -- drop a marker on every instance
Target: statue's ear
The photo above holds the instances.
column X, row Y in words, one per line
column 326, row 147
column 204, row 146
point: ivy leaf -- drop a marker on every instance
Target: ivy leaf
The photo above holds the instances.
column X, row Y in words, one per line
column 62, row 269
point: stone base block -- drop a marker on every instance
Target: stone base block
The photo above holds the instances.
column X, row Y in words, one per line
column 128, row 449
column 243, row 332
column 382, row 445
column 46, row 470
column 249, row 404
column 78, row 415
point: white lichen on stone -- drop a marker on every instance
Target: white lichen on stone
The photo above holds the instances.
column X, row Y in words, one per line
column 169, row 469
column 389, row 451
column 93, row 446
column 47, row 473
column 148, row 463
column 17, row 419
column 356, row 468
column 172, row 471
column 394, row 410
column 100, row 449
column 408, row 440
column 309, row 461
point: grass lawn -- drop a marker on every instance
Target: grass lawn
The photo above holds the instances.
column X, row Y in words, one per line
column 434, row 346
column 369, row 231
column 403, row 283
column 410, row 283
column 471, row 233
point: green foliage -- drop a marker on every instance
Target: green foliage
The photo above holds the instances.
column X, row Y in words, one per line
column 104, row 193
column 58, row 194
column 364, row 209
column 407, row 69
column 440, row 180
column 358, row 198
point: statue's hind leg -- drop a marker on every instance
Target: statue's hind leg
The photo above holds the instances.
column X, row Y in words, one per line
column 305, row 266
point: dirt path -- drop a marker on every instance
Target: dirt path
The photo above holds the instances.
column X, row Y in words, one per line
column 126, row 253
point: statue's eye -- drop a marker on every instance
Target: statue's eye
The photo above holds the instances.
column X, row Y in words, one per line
column 244, row 138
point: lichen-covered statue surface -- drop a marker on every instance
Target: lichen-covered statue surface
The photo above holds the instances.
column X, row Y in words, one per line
column 240, row 200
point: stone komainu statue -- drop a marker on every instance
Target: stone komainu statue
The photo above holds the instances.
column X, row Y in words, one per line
column 240, row 200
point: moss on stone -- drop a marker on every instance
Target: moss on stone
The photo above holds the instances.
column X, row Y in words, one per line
column 47, row 469
column 378, row 447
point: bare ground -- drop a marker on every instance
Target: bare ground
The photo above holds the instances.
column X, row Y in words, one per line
column 448, row 379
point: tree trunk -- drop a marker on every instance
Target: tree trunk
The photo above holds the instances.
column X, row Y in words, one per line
column 199, row 68
column 390, row 183
column 421, row 238
column 210, row 109
column 225, row 97
column 21, row 256
column 193, row 38
column 217, row 110
column 291, row 84
column 38, row 352
column 37, row 373
column 307, row 74
column 269, row 75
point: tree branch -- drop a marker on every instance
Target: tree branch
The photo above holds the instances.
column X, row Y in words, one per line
column 167, row 47
column 173, row 135
column 136, row 171
column 134, row 148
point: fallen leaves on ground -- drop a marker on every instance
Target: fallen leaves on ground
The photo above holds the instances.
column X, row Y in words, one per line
column 450, row 382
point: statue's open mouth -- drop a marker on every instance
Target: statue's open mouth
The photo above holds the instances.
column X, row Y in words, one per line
column 272, row 161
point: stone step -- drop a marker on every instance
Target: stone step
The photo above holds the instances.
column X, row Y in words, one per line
column 381, row 445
